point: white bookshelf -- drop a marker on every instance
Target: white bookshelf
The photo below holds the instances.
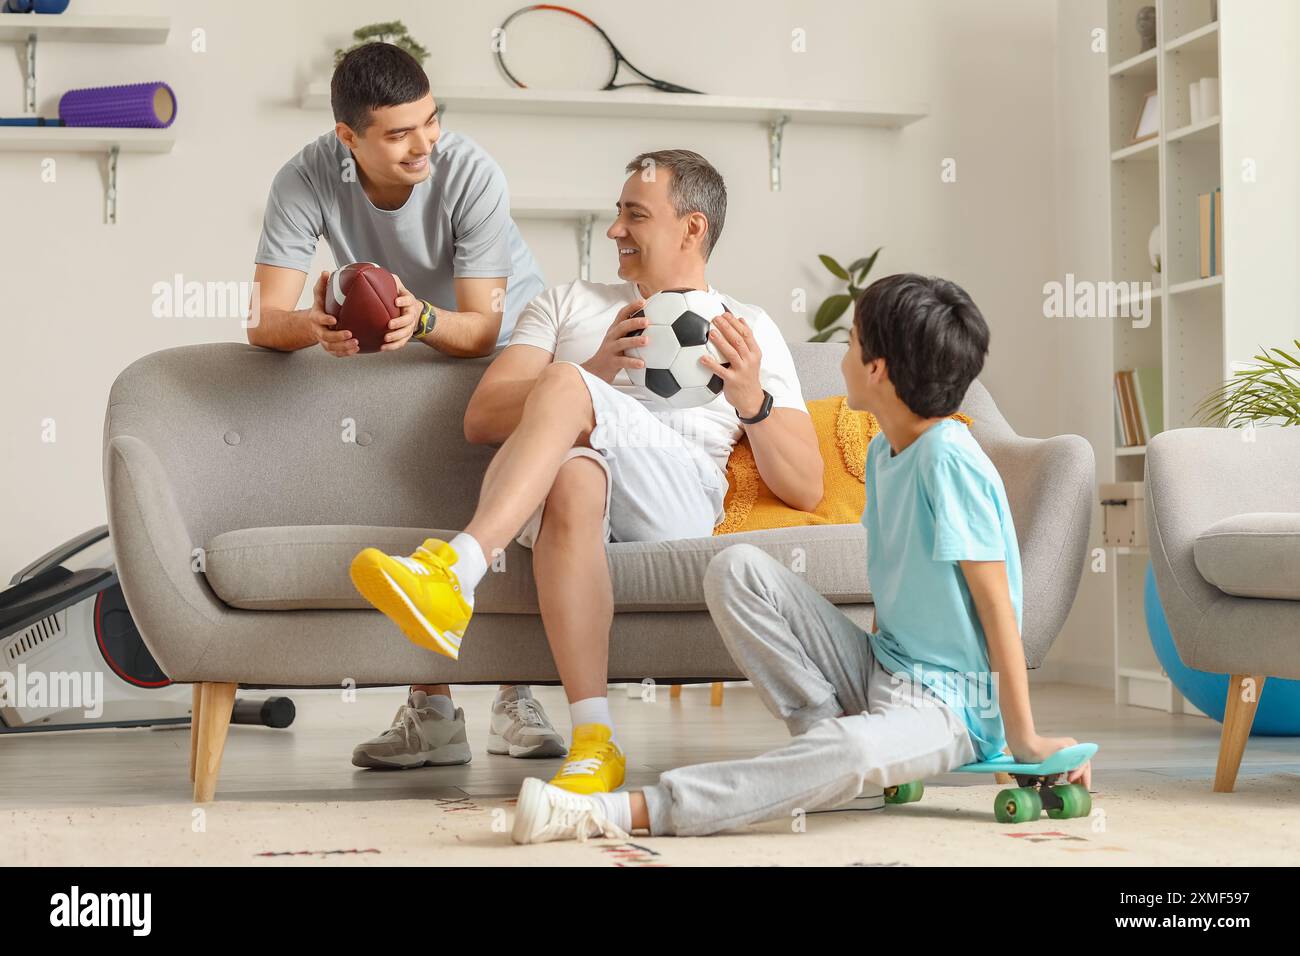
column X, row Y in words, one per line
column 1156, row 182
column 1200, row 327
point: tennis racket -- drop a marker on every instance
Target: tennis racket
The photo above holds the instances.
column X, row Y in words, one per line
column 559, row 48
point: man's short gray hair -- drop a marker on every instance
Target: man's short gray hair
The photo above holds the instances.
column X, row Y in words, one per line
column 695, row 187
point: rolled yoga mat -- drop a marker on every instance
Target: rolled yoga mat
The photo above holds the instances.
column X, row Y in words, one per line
column 147, row 105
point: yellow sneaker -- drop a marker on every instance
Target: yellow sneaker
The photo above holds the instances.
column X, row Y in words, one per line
column 594, row 765
column 419, row 594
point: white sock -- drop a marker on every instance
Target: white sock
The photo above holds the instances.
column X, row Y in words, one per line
column 617, row 807
column 443, row 707
column 592, row 710
column 470, row 564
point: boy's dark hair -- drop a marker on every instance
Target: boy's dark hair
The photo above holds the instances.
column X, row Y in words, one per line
column 930, row 334
column 373, row 76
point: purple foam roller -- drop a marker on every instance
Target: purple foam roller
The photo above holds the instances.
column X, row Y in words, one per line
column 140, row 105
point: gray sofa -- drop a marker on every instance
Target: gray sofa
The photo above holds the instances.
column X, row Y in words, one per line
column 1223, row 521
column 241, row 481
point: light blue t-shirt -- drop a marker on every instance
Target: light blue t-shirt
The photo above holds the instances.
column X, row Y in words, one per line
column 455, row 224
column 938, row 502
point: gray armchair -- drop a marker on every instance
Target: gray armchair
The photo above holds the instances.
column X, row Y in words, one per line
column 236, row 505
column 1223, row 516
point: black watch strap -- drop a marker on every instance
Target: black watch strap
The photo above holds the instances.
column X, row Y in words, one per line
column 764, row 410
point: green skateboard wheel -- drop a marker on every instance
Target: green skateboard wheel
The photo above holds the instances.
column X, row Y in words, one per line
column 1075, row 801
column 909, row 792
column 1020, row 805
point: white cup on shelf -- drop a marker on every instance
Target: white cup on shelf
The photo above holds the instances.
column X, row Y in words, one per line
column 1209, row 97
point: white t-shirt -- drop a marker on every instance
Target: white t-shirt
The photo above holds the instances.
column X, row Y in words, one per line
column 570, row 321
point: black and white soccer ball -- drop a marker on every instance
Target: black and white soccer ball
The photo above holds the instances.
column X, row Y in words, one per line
column 678, row 335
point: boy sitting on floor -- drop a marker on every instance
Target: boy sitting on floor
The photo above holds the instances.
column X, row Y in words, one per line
column 940, row 680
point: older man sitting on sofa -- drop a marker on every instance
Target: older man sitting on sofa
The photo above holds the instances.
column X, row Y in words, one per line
column 586, row 457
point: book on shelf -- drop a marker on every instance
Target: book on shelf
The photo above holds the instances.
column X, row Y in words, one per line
column 1139, row 407
column 1151, row 406
column 1210, row 207
column 1128, row 430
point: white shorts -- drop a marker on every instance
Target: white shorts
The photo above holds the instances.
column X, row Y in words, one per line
column 658, row 486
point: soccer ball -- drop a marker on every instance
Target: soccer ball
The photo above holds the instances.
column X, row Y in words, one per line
column 678, row 335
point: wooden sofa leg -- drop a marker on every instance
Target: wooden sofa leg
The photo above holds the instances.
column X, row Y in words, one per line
column 715, row 697
column 1238, row 715
column 676, row 692
column 215, row 706
column 196, row 708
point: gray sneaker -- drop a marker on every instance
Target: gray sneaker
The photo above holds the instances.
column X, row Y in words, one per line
column 520, row 728
column 419, row 737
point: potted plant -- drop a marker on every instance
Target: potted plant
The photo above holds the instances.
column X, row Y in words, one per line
column 826, row 319
column 394, row 32
column 1268, row 391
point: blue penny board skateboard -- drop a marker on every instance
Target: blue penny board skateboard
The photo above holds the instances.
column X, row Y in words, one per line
column 1038, row 790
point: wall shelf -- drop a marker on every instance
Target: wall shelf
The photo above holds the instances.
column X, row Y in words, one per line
column 76, row 28
column 775, row 114
column 88, row 139
column 84, row 139
column 584, row 213
column 29, row 28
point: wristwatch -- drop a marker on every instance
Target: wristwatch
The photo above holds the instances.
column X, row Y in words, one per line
column 764, row 410
column 428, row 319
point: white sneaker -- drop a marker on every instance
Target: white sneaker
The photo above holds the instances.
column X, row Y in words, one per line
column 520, row 728
column 419, row 737
column 545, row 813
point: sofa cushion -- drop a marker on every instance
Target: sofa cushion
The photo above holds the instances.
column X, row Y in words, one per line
column 1252, row 555
column 306, row 566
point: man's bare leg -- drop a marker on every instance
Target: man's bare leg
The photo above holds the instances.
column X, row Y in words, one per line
column 574, row 591
column 557, row 416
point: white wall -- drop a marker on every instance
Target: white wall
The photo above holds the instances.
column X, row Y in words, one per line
column 1084, row 651
column 78, row 292
column 1262, row 236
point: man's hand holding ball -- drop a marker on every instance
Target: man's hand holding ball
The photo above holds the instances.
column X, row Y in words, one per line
column 609, row 357
column 338, row 342
column 403, row 327
column 734, row 340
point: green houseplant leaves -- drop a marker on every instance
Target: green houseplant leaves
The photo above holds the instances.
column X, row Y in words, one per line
column 825, row 320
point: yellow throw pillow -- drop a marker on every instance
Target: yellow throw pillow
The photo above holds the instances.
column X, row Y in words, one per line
column 842, row 435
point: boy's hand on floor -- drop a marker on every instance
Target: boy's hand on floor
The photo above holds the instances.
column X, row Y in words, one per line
column 1037, row 749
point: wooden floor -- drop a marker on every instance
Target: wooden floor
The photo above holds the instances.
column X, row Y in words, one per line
column 311, row 760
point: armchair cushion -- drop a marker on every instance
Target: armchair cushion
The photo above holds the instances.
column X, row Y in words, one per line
column 1253, row 555
column 306, row 567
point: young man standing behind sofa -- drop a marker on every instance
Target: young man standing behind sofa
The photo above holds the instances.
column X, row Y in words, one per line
column 939, row 681
column 389, row 185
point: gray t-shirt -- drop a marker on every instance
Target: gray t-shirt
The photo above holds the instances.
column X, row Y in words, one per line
column 455, row 224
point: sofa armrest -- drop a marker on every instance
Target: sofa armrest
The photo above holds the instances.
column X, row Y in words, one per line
column 1050, row 486
column 170, row 601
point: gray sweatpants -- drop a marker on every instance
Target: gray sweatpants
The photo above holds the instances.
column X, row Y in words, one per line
column 852, row 722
